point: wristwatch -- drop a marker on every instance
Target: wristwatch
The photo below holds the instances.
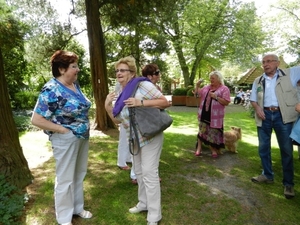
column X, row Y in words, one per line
column 142, row 102
column 216, row 98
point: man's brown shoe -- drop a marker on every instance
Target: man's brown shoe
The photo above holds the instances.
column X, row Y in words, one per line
column 289, row 192
column 261, row 179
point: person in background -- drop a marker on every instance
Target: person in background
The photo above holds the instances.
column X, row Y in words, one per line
column 146, row 162
column 238, row 97
column 213, row 99
column 124, row 155
column 274, row 97
column 151, row 71
column 62, row 112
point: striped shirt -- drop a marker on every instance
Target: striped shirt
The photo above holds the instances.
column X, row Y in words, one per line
column 145, row 91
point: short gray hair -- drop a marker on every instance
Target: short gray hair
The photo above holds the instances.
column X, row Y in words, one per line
column 273, row 55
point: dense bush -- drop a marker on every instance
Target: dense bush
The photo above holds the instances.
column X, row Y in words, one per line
column 190, row 92
column 24, row 100
column 180, row 92
column 22, row 121
column 11, row 203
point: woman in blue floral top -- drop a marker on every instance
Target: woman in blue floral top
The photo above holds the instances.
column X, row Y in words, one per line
column 62, row 112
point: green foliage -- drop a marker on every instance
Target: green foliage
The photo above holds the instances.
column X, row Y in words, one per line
column 23, row 123
column 11, row 203
column 180, row 92
column 211, row 31
column 24, row 100
column 166, row 84
column 190, row 92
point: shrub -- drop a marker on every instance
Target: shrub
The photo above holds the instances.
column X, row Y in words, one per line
column 180, row 92
column 23, row 123
column 25, row 100
column 11, row 203
column 190, row 92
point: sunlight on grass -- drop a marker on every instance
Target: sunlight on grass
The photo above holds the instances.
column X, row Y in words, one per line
column 34, row 143
column 185, row 129
column 195, row 190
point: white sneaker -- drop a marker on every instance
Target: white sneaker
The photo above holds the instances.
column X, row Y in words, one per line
column 135, row 209
column 152, row 223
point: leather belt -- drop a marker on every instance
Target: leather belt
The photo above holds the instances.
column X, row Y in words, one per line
column 272, row 108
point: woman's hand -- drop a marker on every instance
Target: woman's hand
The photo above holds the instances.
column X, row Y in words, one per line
column 109, row 108
column 63, row 130
column 213, row 95
column 160, row 103
column 109, row 99
column 133, row 102
column 199, row 82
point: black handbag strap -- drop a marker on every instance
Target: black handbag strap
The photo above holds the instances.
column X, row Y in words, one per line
column 133, row 133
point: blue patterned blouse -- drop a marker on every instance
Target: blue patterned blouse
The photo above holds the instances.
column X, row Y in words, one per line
column 63, row 106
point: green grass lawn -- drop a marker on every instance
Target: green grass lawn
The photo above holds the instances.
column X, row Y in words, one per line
column 195, row 190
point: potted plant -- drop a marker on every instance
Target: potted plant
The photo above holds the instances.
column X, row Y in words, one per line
column 179, row 96
column 191, row 99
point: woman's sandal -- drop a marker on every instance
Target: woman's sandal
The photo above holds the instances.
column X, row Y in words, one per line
column 214, row 155
column 124, row 168
column 197, row 153
column 134, row 181
column 85, row 214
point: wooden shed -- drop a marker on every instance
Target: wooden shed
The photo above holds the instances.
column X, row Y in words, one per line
column 249, row 76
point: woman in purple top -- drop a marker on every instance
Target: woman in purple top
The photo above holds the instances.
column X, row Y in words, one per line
column 146, row 161
column 213, row 99
column 62, row 112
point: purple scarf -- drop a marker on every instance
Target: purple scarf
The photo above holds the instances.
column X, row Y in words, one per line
column 126, row 93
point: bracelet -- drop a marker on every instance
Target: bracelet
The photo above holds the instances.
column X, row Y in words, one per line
column 216, row 98
column 142, row 102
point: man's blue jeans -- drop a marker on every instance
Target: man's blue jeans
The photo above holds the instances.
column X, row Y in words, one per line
column 274, row 121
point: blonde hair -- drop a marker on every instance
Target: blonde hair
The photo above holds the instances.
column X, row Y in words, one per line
column 129, row 61
column 219, row 76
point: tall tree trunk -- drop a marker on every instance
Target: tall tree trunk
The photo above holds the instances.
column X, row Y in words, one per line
column 13, row 164
column 98, row 64
column 177, row 44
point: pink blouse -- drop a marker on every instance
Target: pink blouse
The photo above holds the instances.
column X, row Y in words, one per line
column 217, row 109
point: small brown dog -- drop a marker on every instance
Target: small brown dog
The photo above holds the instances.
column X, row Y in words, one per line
column 231, row 138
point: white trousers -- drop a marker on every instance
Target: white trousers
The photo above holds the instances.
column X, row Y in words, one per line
column 71, row 156
column 146, row 165
column 124, row 155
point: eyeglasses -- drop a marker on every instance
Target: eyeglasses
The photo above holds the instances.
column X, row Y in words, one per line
column 269, row 61
column 74, row 66
column 156, row 73
column 122, row 70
